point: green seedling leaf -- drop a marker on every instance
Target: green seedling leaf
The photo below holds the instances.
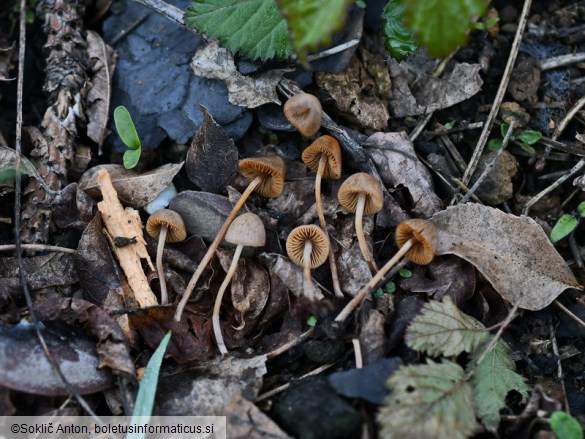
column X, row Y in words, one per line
column 530, row 137
column 565, row 426
column 311, row 321
column 581, row 209
column 390, row 287
column 481, row 25
column 565, row 225
column 493, row 379
column 378, row 293
column 312, row 22
column 441, row 329
column 449, row 125
column 504, row 129
column 254, row 28
column 125, row 127
column 131, row 158
column 405, row 272
column 147, row 390
column 529, row 149
column 494, row 144
column 441, row 26
column 430, row 400
column 398, row 39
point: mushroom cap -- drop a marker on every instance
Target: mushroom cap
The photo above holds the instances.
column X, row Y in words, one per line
column 165, row 217
column 295, row 244
column 361, row 183
column 272, row 169
column 426, row 237
column 304, row 112
column 248, row 230
column 329, row 146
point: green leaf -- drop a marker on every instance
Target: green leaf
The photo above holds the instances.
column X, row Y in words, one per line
column 125, row 127
column 565, row 225
column 494, row 144
column 311, row 321
column 405, row 272
column 504, row 129
column 430, row 400
column 493, row 379
column 131, row 158
column 581, row 209
column 441, row 329
column 530, row 137
column 565, row 426
column 449, row 125
column 254, row 28
column 398, row 39
column 147, row 390
column 390, row 287
column 312, row 22
column 529, row 149
column 378, row 293
column 440, row 25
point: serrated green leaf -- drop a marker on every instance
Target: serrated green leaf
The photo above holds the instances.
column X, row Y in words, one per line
column 530, row 137
column 441, row 329
column 131, row 158
column 565, row 225
column 147, row 391
column 494, row 144
column 581, row 209
column 312, row 22
column 430, row 400
column 254, row 28
column 441, row 26
column 565, row 426
column 125, row 127
column 493, row 379
column 398, row 39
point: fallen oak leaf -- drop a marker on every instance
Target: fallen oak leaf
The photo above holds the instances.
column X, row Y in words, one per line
column 512, row 252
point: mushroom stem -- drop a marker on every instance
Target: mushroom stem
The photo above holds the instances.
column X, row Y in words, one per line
column 323, row 223
column 213, row 247
column 307, row 264
column 369, row 287
column 359, row 230
column 219, row 298
column 162, row 237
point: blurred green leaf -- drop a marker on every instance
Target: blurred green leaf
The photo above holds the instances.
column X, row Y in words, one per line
column 125, row 127
column 390, row 287
column 494, row 144
column 530, row 137
column 378, row 293
column 504, row 129
column 565, row 426
column 405, row 272
column 529, row 149
column 131, row 158
column 565, row 225
column 398, row 39
column 581, row 209
column 311, row 321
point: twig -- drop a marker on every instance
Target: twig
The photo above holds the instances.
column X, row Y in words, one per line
column 17, row 208
column 357, row 350
column 291, row 344
column 560, row 374
column 487, row 127
column 561, row 61
column 570, row 313
column 166, row 10
column 333, row 50
column 490, row 165
column 465, row 189
column 37, row 247
column 129, row 29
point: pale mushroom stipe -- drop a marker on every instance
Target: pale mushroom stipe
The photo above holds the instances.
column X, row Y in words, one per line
column 166, row 225
column 246, row 230
column 305, row 113
column 266, row 176
column 417, row 239
column 323, row 156
column 307, row 246
column 362, row 194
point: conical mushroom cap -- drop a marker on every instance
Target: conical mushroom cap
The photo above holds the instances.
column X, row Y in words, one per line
column 272, row 170
column 329, row 146
column 248, row 230
column 426, row 237
column 295, row 244
column 361, row 183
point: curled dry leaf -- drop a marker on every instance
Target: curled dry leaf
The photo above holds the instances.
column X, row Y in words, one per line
column 24, row 366
column 103, row 61
column 421, row 93
column 203, row 212
column 502, row 247
column 251, row 91
column 134, row 190
column 212, row 159
column 112, row 347
column 394, row 156
column 72, row 208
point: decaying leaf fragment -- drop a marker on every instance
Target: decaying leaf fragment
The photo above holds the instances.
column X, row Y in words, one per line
column 251, row 91
column 512, row 252
column 126, row 224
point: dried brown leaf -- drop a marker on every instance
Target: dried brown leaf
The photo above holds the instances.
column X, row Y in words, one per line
column 512, row 252
column 8, row 165
column 394, row 156
column 352, row 268
column 203, row 213
column 245, row 420
column 72, row 208
column 50, row 270
column 291, row 275
column 134, row 190
column 212, row 159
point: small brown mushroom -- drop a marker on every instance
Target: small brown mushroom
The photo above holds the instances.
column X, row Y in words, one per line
column 305, row 113
column 417, row 239
column 307, row 246
column 266, row 176
column 324, row 157
column 166, row 225
column 246, row 230
column 362, row 194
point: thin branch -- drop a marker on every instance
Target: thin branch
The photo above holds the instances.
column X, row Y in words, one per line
column 37, row 247
column 561, row 61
